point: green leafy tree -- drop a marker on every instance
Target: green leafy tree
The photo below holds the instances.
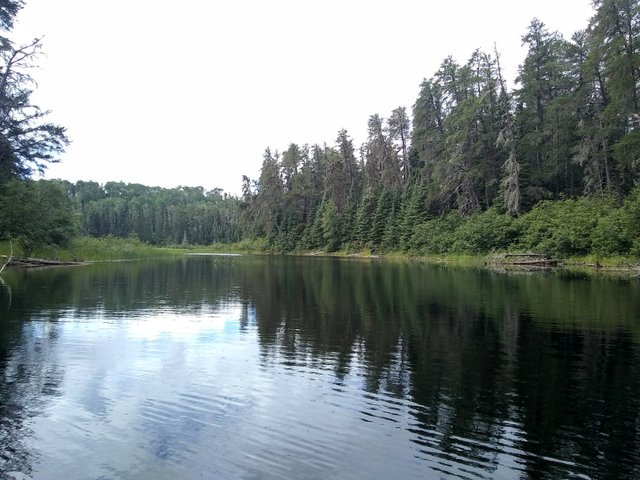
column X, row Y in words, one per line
column 344, row 145
column 381, row 164
column 544, row 113
column 36, row 214
column 27, row 141
column 506, row 138
column 8, row 11
column 614, row 33
column 399, row 127
column 414, row 212
column 364, row 215
column 270, row 194
column 330, row 224
column 427, row 137
column 381, row 217
column 468, row 172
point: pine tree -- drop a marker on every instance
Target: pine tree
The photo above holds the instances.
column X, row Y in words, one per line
column 364, row 217
column 399, row 134
column 381, row 216
column 506, row 138
column 427, row 137
column 414, row 213
column 330, row 224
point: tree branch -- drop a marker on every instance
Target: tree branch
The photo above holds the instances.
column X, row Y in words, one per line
column 10, row 256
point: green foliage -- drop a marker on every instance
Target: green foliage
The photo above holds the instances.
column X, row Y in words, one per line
column 632, row 210
column 381, row 217
column 27, row 142
column 572, row 227
column 479, row 233
column 247, row 245
column 569, row 128
column 35, row 214
column 627, row 150
column 391, row 236
column 471, row 149
column 413, row 213
column 159, row 216
column 437, row 235
column 485, row 232
column 364, row 217
column 86, row 248
column 561, row 228
column 330, row 224
column 613, row 233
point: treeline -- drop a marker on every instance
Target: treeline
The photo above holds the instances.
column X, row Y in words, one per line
column 551, row 165
column 159, row 216
column 31, row 213
column 478, row 158
column 37, row 213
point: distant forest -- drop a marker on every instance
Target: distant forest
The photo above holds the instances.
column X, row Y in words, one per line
column 551, row 165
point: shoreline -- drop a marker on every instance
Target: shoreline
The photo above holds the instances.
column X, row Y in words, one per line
column 588, row 263
column 619, row 266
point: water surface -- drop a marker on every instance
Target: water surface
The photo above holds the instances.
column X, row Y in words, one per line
column 311, row 368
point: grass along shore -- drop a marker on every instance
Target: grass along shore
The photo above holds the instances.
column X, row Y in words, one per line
column 89, row 249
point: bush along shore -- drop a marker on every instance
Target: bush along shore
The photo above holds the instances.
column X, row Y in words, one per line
column 91, row 250
column 601, row 233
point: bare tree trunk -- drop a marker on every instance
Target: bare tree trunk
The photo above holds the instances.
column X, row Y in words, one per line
column 10, row 256
column 511, row 167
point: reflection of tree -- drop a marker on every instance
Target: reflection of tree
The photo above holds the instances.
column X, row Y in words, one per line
column 470, row 349
column 535, row 367
column 577, row 397
column 128, row 287
column 29, row 373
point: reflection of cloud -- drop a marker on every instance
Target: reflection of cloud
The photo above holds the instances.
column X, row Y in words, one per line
column 185, row 325
column 161, row 385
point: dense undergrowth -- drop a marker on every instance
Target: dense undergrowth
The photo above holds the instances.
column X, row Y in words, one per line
column 582, row 230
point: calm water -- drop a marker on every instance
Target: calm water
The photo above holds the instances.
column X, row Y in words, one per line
column 309, row 368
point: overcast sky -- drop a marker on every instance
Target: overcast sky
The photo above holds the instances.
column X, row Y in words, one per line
column 190, row 93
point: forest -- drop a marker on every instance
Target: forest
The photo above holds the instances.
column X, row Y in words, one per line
column 551, row 165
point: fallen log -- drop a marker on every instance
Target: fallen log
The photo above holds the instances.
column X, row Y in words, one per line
column 524, row 260
column 28, row 262
column 535, row 263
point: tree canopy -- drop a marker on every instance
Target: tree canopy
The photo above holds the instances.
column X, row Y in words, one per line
column 569, row 129
column 551, row 164
column 30, row 213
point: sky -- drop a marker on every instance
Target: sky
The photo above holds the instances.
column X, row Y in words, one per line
column 168, row 93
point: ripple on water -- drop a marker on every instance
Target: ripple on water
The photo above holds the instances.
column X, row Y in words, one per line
column 187, row 381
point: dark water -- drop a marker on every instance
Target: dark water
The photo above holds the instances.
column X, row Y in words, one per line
column 308, row 368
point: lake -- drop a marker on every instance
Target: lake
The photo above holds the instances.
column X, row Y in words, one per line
column 249, row 367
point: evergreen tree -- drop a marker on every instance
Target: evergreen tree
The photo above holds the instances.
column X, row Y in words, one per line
column 381, row 165
column 330, row 224
column 506, row 138
column 381, row 216
column 614, row 33
column 27, row 141
column 364, row 216
column 543, row 114
column 413, row 213
column 427, row 137
column 399, row 134
column 344, row 146
column 35, row 214
column 270, row 194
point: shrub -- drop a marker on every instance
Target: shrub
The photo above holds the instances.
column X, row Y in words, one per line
column 437, row 235
column 484, row 232
column 561, row 227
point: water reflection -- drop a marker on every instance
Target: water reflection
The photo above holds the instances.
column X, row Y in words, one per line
column 250, row 367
